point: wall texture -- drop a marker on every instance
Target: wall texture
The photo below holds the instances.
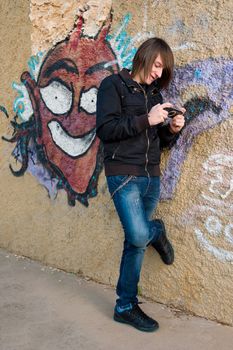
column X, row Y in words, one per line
column 57, row 208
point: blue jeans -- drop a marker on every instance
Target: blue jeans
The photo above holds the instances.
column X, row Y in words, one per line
column 135, row 198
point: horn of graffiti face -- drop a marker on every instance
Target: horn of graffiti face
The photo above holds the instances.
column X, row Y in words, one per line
column 64, row 104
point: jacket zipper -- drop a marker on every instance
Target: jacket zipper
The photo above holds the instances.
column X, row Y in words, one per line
column 147, row 137
column 114, row 153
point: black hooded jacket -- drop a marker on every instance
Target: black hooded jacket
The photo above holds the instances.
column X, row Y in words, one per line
column 131, row 145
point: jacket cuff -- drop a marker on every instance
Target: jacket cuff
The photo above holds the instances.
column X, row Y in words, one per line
column 167, row 138
column 169, row 132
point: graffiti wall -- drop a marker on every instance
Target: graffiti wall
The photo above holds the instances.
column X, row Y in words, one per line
column 53, row 159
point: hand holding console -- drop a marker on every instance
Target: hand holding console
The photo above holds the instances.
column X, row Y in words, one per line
column 160, row 112
column 172, row 112
column 177, row 120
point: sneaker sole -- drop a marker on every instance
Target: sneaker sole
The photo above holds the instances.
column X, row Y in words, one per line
column 117, row 318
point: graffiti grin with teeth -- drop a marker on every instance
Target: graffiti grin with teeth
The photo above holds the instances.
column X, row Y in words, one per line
column 64, row 105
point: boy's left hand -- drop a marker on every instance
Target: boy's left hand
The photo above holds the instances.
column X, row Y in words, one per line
column 177, row 123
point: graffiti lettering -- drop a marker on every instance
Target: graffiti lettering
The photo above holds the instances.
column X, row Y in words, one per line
column 216, row 233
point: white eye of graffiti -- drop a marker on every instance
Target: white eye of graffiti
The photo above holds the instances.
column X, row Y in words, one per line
column 57, row 97
column 88, row 100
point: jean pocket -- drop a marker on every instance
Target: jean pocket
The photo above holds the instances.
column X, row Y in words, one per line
column 116, row 182
column 117, row 178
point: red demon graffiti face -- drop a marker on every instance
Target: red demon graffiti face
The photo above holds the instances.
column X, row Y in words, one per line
column 64, row 104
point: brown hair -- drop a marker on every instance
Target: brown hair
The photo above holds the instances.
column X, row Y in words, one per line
column 146, row 55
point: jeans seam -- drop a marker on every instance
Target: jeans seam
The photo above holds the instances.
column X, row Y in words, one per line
column 149, row 180
column 127, row 180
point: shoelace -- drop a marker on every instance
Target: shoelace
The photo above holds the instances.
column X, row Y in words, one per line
column 137, row 312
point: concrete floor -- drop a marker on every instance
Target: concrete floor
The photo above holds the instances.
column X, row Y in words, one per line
column 42, row 308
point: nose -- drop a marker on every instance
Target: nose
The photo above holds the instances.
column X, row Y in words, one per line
column 159, row 72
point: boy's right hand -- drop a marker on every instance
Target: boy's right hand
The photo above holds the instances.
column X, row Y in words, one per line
column 157, row 113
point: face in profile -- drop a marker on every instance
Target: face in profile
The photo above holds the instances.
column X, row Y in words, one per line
column 155, row 71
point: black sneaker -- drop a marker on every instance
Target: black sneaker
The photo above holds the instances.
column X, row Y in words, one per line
column 136, row 318
column 163, row 246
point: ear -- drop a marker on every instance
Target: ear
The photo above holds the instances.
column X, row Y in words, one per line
column 33, row 93
column 30, row 85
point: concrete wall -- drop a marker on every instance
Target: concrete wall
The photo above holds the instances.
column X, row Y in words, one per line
column 44, row 212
